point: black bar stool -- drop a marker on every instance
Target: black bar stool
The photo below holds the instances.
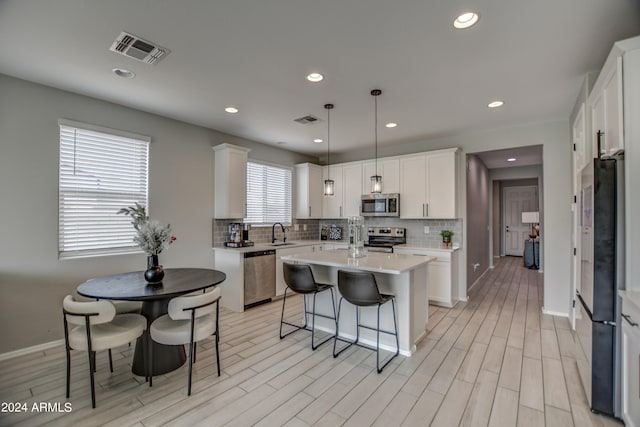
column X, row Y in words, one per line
column 299, row 278
column 360, row 289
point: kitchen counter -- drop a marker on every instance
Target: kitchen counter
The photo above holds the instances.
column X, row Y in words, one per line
column 404, row 276
column 376, row 262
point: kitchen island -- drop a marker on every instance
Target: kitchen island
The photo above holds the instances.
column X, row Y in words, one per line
column 404, row 276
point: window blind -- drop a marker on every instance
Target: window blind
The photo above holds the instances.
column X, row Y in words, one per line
column 100, row 172
column 268, row 194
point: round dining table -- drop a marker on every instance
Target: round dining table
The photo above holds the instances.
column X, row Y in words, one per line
column 155, row 299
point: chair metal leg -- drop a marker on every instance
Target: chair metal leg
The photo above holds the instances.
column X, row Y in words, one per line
column 395, row 328
column 337, row 337
column 195, row 347
column 190, row 367
column 283, row 322
column 150, row 359
column 217, row 354
column 92, row 363
column 68, row 371
column 110, row 361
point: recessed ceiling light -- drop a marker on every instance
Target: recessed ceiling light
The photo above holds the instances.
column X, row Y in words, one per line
column 466, row 20
column 318, row 140
column 315, row 77
column 231, row 110
column 495, row 104
column 124, row 73
column 391, row 125
column 511, row 159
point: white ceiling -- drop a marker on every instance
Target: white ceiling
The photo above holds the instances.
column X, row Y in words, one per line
column 254, row 54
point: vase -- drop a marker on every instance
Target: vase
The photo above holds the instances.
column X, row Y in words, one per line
column 154, row 272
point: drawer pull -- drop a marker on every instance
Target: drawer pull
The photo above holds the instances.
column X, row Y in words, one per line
column 629, row 320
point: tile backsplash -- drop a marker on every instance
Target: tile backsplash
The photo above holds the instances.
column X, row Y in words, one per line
column 307, row 230
column 415, row 230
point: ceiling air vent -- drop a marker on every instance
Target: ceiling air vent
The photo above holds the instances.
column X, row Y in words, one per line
column 139, row 49
column 306, row 120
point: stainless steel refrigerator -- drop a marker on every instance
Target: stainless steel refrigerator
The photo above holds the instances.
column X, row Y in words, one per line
column 602, row 274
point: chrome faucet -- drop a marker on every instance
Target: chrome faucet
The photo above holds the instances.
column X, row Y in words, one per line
column 273, row 232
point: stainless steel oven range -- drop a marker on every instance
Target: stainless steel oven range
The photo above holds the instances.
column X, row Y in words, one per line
column 383, row 239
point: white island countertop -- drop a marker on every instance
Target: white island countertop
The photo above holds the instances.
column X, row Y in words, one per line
column 376, row 262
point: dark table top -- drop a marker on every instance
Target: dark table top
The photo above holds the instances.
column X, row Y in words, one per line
column 133, row 287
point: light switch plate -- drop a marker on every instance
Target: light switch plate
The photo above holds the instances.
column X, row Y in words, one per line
column 296, row 227
column 426, row 229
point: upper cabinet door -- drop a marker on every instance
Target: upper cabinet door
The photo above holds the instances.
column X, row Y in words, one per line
column 441, row 185
column 308, row 190
column 230, row 186
column 332, row 205
column 413, row 186
column 389, row 169
column 352, row 185
column 581, row 151
column 605, row 106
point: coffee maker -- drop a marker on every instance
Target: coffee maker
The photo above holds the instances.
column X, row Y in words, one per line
column 238, row 236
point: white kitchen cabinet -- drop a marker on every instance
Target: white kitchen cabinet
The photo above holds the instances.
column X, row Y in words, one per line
column 352, row 189
column 230, row 185
column 428, row 185
column 605, row 103
column 389, row 169
column 630, row 370
column 345, row 201
column 281, row 285
column 582, row 150
column 332, row 205
column 442, row 274
column 308, row 191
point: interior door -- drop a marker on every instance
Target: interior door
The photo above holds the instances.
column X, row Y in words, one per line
column 516, row 201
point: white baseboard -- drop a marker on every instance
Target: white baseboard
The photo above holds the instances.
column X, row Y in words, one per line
column 29, row 350
column 554, row 313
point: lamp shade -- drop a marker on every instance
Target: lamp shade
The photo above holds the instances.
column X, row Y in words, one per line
column 530, row 217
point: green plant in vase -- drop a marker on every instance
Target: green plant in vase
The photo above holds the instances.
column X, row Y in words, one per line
column 446, row 236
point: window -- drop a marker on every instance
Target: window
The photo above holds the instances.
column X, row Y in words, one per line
column 268, row 194
column 101, row 171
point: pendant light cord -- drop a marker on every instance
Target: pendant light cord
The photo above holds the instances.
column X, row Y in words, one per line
column 376, row 93
column 328, row 107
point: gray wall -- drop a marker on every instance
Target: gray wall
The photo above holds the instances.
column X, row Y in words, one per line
column 478, row 224
column 33, row 281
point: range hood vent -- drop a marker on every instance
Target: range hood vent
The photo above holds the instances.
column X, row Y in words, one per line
column 306, row 120
column 139, row 49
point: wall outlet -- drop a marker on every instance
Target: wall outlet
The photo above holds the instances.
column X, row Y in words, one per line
column 296, row 227
column 304, row 227
column 426, row 229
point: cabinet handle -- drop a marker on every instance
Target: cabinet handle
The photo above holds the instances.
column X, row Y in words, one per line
column 340, row 211
column 427, row 205
column 629, row 320
column 309, row 211
column 423, row 210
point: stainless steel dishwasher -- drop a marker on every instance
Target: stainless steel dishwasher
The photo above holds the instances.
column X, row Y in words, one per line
column 259, row 277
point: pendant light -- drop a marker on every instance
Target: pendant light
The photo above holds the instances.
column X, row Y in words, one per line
column 376, row 180
column 328, row 183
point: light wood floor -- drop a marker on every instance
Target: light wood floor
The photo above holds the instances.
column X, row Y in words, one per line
column 495, row 360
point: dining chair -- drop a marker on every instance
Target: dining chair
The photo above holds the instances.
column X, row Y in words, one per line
column 361, row 289
column 190, row 318
column 96, row 327
column 299, row 278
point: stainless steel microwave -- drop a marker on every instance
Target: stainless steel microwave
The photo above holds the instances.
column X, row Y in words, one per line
column 380, row 204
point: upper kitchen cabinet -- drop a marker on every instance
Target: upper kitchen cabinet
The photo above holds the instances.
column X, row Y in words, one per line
column 230, row 184
column 332, row 205
column 582, row 150
column 428, row 184
column 352, row 189
column 389, row 169
column 605, row 103
column 345, row 201
column 308, row 191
